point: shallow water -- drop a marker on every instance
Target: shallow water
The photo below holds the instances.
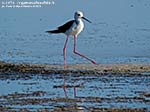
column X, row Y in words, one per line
column 93, row 91
column 119, row 32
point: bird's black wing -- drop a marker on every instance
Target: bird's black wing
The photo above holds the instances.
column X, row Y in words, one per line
column 63, row 28
column 66, row 26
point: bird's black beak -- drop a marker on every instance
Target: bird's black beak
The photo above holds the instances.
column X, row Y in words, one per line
column 86, row 19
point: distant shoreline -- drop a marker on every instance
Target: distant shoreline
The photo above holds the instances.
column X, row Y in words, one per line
column 82, row 69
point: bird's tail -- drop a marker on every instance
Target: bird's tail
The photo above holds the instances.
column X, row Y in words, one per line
column 53, row 31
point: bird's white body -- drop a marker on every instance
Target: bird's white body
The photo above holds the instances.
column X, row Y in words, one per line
column 76, row 28
column 73, row 27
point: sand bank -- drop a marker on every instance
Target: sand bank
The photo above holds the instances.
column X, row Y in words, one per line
column 75, row 68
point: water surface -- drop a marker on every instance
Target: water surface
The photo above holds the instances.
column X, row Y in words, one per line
column 119, row 32
column 93, row 91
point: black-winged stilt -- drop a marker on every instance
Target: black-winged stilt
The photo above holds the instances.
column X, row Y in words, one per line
column 73, row 27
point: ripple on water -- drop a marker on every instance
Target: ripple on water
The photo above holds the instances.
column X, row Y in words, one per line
column 93, row 91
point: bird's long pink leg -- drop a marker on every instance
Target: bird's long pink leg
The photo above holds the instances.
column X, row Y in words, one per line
column 64, row 53
column 81, row 54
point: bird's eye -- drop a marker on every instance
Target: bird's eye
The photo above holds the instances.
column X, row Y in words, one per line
column 78, row 14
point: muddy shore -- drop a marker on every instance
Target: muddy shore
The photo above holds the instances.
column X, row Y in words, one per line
column 75, row 69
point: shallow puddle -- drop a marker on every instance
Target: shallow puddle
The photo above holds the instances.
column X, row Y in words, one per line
column 45, row 91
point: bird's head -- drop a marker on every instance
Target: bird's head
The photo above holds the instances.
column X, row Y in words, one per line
column 79, row 15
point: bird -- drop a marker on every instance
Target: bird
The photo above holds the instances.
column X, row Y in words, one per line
column 72, row 28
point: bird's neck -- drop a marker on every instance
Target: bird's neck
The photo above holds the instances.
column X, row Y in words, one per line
column 78, row 21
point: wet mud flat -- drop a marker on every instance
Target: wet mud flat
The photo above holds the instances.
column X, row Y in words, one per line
column 101, row 88
column 132, row 69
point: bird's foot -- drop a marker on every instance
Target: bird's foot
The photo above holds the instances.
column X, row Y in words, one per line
column 94, row 62
column 65, row 66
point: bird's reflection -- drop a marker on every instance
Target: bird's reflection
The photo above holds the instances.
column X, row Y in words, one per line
column 64, row 85
column 74, row 86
